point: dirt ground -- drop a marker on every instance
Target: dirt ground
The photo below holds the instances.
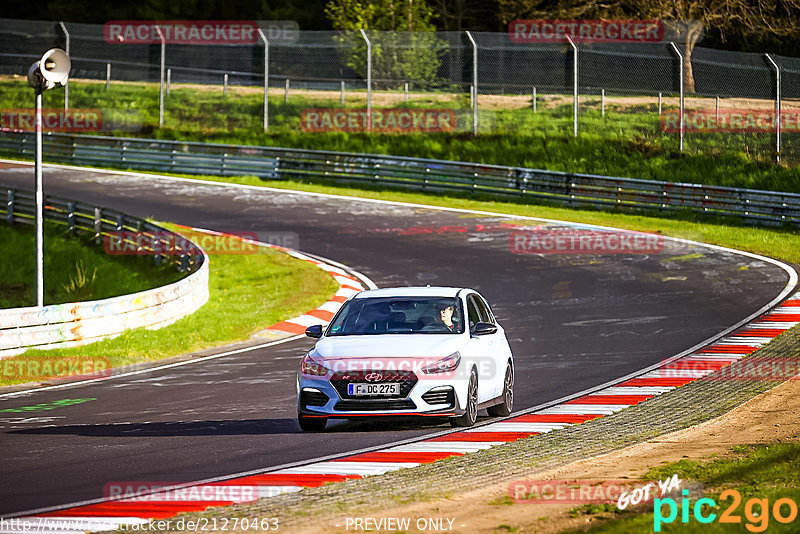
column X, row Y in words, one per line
column 770, row 417
column 386, row 98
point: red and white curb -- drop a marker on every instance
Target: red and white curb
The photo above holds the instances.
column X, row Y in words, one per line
column 162, row 504
column 348, row 286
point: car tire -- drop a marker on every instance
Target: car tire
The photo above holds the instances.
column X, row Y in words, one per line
column 503, row 409
column 471, row 412
column 312, row 424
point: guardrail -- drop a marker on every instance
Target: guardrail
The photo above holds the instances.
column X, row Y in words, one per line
column 566, row 189
column 72, row 324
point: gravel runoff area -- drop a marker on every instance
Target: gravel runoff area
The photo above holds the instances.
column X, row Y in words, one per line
column 682, row 408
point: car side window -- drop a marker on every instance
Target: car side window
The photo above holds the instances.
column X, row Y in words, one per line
column 472, row 312
column 483, row 310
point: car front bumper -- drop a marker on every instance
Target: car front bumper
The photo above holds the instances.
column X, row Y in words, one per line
column 317, row 397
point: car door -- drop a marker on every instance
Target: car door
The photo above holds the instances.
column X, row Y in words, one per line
column 481, row 351
column 496, row 344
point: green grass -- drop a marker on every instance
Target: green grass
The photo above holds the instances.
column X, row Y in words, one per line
column 65, row 259
column 247, row 293
column 768, row 472
column 626, row 142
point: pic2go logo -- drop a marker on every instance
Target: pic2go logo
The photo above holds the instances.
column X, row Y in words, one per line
column 756, row 511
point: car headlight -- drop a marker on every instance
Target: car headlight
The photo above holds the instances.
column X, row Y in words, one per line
column 310, row 366
column 445, row 365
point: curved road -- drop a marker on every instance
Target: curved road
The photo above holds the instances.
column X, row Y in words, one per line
column 574, row 321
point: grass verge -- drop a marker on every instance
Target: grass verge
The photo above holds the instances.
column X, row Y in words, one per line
column 765, row 473
column 75, row 269
column 626, row 141
column 247, row 293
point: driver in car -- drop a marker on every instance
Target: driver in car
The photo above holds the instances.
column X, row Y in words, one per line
column 446, row 315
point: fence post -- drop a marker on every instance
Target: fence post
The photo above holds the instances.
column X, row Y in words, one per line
column 266, row 78
column 680, row 58
column 66, row 49
column 169, row 81
column 108, row 75
column 659, row 103
column 286, row 94
column 98, row 224
column 10, row 207
column 71, row 218
column 474, row 84
column 716, row 109
column 534, row 99
column 161, row 77
column 342, row 97
column 602, row 102
column 225, row 85
column 574, row 85
column 369, row 80
column 154, row 243
column 405, row 89
column 777, row 105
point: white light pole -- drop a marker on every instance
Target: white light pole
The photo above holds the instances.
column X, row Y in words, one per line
column 681, row 87
column 574, row 86
column 266, row 78
column 369, row 80
column 161, row 77
column 47, row 73
column 474, row 90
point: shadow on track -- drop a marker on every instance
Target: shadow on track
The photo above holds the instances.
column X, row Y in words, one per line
column 227, row 428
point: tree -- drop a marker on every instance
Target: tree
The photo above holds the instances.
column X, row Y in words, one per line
column 460, row 15
column 404, row 45
column 308, row 14
column 743, row 18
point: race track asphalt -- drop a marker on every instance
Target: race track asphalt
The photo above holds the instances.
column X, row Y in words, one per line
column 573, row 320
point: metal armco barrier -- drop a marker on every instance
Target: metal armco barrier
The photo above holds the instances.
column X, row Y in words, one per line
column 73, row 324
column 566, row 189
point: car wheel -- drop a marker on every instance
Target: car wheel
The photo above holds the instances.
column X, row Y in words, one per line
column 504, row 409
column 471, row 413
column 312, row 424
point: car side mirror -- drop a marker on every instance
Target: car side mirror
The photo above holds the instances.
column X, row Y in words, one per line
column 314, row 331
column 482, row 329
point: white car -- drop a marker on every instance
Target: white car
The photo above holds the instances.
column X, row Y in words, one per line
column 411, row 351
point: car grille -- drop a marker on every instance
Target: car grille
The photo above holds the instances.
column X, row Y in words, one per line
column 375, row 405
column 313, row 398
column 440, row 396
column 407, row 380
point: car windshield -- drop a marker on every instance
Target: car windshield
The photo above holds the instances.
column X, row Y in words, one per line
column 398, row 315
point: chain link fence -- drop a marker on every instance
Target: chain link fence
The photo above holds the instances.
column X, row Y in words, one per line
column 425, row 82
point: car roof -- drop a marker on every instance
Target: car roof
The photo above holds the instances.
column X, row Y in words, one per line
column 419, row 291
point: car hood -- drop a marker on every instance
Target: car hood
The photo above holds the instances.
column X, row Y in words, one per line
column 388, row 346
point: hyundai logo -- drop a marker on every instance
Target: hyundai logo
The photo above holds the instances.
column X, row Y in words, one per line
column 373, row 377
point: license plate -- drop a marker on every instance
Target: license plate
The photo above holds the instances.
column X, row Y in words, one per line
column 366, row 390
